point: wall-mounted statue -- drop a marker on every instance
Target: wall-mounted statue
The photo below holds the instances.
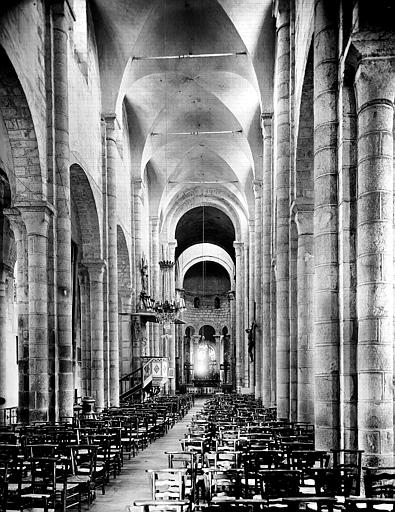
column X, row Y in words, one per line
column 251, row 340
column 144, row 275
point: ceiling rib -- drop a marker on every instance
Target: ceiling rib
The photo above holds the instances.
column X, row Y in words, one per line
column 188, row 56
column 212, row 132
column 206, row 182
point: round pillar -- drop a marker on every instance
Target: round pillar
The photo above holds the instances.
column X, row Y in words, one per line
column 264, row 312
column 22, row 295
column 61, row 26
column 112, row 269
column 96, row 272
column 36, row 219
column 240, row 337
column 326, row 285
column 305, row 274
column 154, row 291
column 257, row 287
column 282, row 206
column 375, row 85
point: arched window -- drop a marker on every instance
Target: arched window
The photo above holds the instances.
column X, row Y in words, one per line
column 217, row 303
column 196, row 302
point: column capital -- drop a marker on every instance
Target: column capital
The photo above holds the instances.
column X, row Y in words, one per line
column 64, row 8
column 238, row 248
column 266, row 124
column 303, row 214
column 375, row 74
column 95, row 268
column 258, row 188
column 35, row 216
column 304, row 222
column 281, row 13
column 83, row 274
column 111, row 121
column 138, row 186
column 154, row 221
column 15, row 218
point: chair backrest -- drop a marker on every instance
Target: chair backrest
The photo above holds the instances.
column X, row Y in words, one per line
column 84, row 458
column 379, row 482
column 224, row 482
column 336, row 481
column 307, row 459
column 280, row 483
column 167, row 484
column 43, row 476
column 182, row 460
column 351, row 460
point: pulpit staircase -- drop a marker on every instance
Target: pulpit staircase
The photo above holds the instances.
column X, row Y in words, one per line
column 135, row 385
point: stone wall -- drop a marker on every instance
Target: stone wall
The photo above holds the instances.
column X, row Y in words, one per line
column 207, row 314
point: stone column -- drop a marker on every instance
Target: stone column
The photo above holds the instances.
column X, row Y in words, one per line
column 22, row 294
column 293, row 319
column 375, row 86
column 136, row 240
column 240, row 335
column 112, row 269
column 282, row 205
column 194, row 348
column 83, row 279
column 252, row 302
column 3, row 332
column 257, row 287
column 326, row 285
column 246, row 309
column 232, row 343
column 305, row 274
column 61, row 25
column 125, row 326
column 154, row 291
column 264, row 312
column 36, row 219
column 347, row 260
column 96, row 271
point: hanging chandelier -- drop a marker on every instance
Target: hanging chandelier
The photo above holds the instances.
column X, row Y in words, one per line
column 168, row 311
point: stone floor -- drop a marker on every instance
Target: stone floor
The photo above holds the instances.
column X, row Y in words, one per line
column 132, row 484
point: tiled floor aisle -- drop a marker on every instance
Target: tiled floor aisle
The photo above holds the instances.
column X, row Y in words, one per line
column 132, row 483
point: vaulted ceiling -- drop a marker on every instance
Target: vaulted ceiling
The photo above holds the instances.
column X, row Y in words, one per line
column 193, row 77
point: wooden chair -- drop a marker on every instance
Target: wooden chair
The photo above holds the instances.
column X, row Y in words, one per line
column 167, row 484
column 87, row 470
column 223, row 483
column 3, row 485
column 163, row 506
column 256, row 461
column 307, row 461
column 187, row 461
column 129, row 436
column 276, row 484
column 379, row 491
column 42, row 485
column 351, row 462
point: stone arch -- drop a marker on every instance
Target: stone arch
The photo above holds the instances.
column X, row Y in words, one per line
column 194, row 255
column 213, row 197
column 189, row 331
column 83, row 199
column 208, row 331
column 26, row 177
column 124, row 278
